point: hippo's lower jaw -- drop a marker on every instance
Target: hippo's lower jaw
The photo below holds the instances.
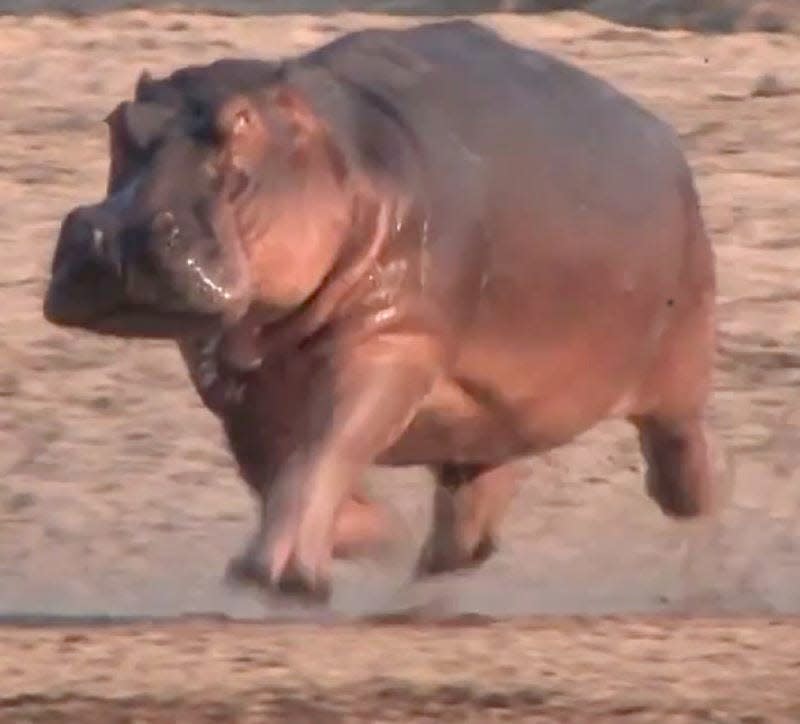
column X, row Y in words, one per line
column 136, row 322
column 145, row 324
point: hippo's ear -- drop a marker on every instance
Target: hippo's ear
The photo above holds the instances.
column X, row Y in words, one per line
column 118, row 148
column 144, row 82
column 144, row 122
column 296, row 112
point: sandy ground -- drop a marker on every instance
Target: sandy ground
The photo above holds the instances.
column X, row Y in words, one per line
column 117, row 496
column 576, row 671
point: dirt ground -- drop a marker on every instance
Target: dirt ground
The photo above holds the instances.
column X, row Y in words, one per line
column 117, row 497
column 531, row 670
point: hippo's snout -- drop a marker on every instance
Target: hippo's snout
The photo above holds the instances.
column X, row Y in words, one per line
column 86, row 279
column 138, row 279
column 96, row 232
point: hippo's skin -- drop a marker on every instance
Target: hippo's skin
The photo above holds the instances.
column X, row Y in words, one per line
column 425, row 246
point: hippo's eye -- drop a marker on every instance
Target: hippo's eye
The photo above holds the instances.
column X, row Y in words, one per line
column 212, row 172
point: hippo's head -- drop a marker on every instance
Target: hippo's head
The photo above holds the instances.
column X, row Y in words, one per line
column 213, row 173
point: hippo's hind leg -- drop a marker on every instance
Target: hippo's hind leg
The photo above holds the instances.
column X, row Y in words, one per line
column 674, row 431
column 469, row 504
column 680, row 473
column 672, row 420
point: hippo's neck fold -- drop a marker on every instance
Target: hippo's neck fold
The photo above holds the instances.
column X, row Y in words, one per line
column 350, row 281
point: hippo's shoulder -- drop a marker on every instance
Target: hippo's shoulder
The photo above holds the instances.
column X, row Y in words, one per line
column 461, row 61
column 436, row 35
column 373, row 53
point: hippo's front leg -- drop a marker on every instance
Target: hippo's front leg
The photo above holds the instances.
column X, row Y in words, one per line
column 359, row 406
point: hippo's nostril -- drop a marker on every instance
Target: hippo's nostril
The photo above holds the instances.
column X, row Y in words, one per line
column 98, row 241
column 104, row 247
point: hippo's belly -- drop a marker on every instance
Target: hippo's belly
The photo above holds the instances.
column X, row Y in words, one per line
column 534, row 373
column 462, row 421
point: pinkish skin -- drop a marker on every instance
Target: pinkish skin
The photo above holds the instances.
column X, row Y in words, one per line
column 457, row 287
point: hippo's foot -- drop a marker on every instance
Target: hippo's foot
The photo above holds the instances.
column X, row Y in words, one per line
column 271, row 566
column 363, row 528
column 247, row 571
column 680, row 473
column 442, row 556
column 469, row 504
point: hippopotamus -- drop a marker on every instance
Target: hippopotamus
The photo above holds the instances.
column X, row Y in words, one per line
column 425, row 246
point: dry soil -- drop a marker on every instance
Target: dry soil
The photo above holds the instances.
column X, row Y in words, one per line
column 118, row 498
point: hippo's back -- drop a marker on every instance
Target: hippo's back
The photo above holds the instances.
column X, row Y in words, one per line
column 515, row 138
column 478, row 83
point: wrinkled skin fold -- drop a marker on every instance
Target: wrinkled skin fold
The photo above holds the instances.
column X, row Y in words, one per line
column 414, row 247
